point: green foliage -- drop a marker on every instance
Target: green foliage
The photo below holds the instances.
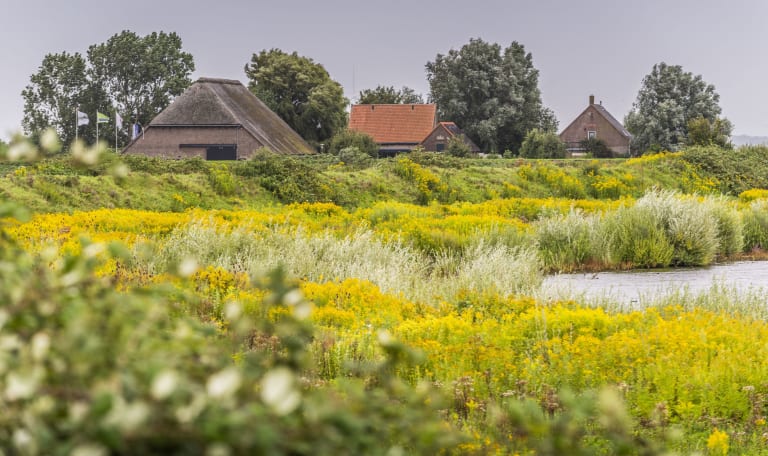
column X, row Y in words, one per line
column 702, row 132
column 389, row 95
column 456, row 147
column 756, row 226
column 300, row 91
column 351, row 138
column 55, row 91
column 596, row 148
column 140, row 75
column 668, row 99
column 736, row 170
column 90, row 370
column 638, row 239
column 492, row 93
column 136, row 76
column 285, row 177
column 541, row 144
column 354, row 158
column 221, row 179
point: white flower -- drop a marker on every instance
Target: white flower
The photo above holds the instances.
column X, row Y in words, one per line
column 164, row 384
column 50, row 141
column 93, row 250
column 303, row 310
column 232, row 310
column 187, row 267
column 22, row 151
column 293, row 297
column 279, row 392
column 21, row 386
column 89, row 449
column 41, row 342
column 223, row 384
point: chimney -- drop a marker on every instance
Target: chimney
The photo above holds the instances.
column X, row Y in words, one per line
column 591, row 100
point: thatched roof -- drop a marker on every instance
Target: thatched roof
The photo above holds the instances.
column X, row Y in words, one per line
column 225, row 102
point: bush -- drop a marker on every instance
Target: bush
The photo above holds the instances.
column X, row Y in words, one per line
column 457, row 147
column 597, row 148
column 566, row 241
column 350, row 138
column 756, row 226
column 355, row 158
column 637, row 239
column 285, row 177
column 538, row 144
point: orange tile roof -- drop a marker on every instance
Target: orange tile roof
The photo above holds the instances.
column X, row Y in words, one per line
column 394, row 123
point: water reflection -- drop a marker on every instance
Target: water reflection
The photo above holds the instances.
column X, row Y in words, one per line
column 634, row 287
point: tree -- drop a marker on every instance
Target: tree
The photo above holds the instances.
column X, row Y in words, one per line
column 542, row 144
column 56, row 92
column 350, row 138
column 389, row 95
column 300, row 91
column 140, row 75
column 493, row 95
column 457, row 147
column 668, row 100
column 137, row 76
column 596, row 147
column 702, row 132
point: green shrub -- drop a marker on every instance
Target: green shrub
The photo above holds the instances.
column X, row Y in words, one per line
column 289, row 179
column 730, row 228
column 350, row 138
column 596, row 147
column 538, row 144
column 566, row 241
column 689, row 225
column 756, row 226
column 221, row 179
column 457, row 147
column 638, row 239
column 354, row 158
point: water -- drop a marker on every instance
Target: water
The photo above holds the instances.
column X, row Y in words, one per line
column 641, row 286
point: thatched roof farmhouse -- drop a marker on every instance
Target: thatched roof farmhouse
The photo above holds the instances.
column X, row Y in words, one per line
column 216, row 119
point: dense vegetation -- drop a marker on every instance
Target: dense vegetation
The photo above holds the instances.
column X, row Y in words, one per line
column 307, row 306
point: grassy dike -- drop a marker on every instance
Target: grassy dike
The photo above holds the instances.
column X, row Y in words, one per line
column 58, row 185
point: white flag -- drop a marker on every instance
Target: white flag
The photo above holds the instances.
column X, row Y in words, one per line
column 118, row 121
column 82, row 118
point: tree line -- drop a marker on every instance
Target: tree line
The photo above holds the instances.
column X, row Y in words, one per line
column 490, row 91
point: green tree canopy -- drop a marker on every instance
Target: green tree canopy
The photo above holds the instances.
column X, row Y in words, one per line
column 349, row 138
column 702, row 132
column 492, row 93
column 140, row 75
column 300, row 91
column 542, row 144
column 136, row 76
column 389, row 95
column 668, row 100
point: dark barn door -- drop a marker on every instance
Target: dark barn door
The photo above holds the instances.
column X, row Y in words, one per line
column 223, row 152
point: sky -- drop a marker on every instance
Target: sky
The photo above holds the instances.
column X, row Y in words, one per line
column 600, row 47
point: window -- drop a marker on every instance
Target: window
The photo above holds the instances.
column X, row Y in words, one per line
column 440, row 147
column 591, row 134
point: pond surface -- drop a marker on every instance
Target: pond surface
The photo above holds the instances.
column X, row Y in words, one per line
column 638, row 286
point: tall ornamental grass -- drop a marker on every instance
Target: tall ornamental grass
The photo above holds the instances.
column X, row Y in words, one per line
column 323, row 256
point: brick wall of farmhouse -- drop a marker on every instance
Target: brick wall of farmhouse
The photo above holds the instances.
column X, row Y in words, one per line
column 165, row 142
column 591, row 120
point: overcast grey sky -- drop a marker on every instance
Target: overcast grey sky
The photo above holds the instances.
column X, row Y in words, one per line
column 600, row 47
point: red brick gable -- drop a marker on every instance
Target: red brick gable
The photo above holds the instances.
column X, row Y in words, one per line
column 394, row 123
